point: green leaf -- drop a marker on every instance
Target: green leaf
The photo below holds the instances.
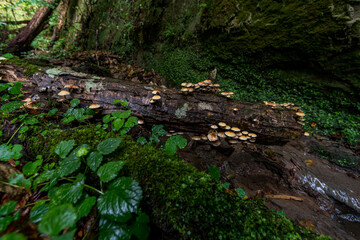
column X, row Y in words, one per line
column 66, row 236
column 32, row 167
column 173, row 142
column 64, row 147
column 110, row 170
column 53, row 111
column 82, row 152
column 13, row 236
column 31, row 121
column 5, row 222
column 17, row 151
column 131, row 122
column 118, row 123
column 11, row 106
column 4, row 86
column 121, row 201
column 68, row 166
column 85, row 207
column 66, row 193
column 142, row 140
column 226, row 185
column 5, row 152
column 119, row 114
column 44, row 176
column 38, row 212
column 110, row 230
column 57, row 219
column 15, row 89
column 94, row 160
column 74, row 102
column 241, row 192
column 7, row 208
column 140, row 230
column 109, row 145
column 214, row 172
column 20, row 180
column 24, row 129
column 107, row 118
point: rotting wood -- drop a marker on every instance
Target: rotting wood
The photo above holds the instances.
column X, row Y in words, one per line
column 285, row 197
column 193, row 113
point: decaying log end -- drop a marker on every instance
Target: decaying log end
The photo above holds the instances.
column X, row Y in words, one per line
column 194, row 112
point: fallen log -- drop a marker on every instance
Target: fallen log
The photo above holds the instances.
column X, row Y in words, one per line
column 193, row 113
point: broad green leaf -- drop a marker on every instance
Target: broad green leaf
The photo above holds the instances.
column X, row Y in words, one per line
column 241, row 192
column 118, row 123
column 140, row 230
column 110, row 170
column 226, row 185
column 121, row 201
column 84, row 208
column 15, row 89
column 31, row 121
column 74, row 102
column 53, row 111
column 110, row 230
column 57, row 219
column 64, row 147
column 32, row 167
column 5, row 152
column 11, row 106
column 214, row 172
column 174, row 142
column 7, row 208
column 66, row 193
column 4, row 86
column 44, row 176
column 119, row 114
column 68, row 166
column 13, row 236
column 107, row 118
column 94, row 160
column 109, row 145
column 16, row 149
column 38, row 212
column 5, row 222
column 142, row 140
column 66, row 236
column 131, row 122
column 20, row 180
column 24, row 129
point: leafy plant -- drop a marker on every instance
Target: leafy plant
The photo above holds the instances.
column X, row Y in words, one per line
column 6, row 216
column 175, row 142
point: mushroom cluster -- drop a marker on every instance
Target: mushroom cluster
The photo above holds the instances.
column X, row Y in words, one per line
column 227, row 94
column 233, row 135
column 156, row 96
column 281, row 105
column 300, row 117
column 204, row 86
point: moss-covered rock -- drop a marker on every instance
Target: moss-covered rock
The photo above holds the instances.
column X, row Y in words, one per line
column 182, row 201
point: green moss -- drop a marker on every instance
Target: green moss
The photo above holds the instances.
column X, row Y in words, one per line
column 182, row 201
column 30, row 69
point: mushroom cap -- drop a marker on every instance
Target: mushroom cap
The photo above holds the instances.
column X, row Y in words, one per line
column 222, row 124
column 204, row 137
column 224, row 93
column 189, row 85
column 190, row 89
column 233, row 141
column 94, row 106
column 216, row 85
column 202, row 84
column 235, row 129
column 71, row 86
column 212, row 137
column 184, row 89
column 243, row 138
column 252, row 140
column 3, row 59
column 306, row 134
column 239, row 134
column 300, row 114
column 140, row 121
column 152, row 101
column 155, row 92
column 214, row 127
column 207, row 81
column 196, row 138
column 301, row 123
column 64, row 93
column 183, row 84
column 216, row 143
column 227, row 127
column 245, row 132
column 230, row 93
column 228, row 96
column 156, row 97
column 230, row 134
column 253, row 135
column 235, row 109
column 221, row 134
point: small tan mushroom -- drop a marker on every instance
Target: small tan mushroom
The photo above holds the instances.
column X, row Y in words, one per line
column 189, row 85
column 214, row 127
column 243, row 138
column 71, row 86
column 196, row 138
column 183, row 84
column 253, row 135
column 203, row 137
column 221, row 134
column 207, row 81
column 155, row 92
column 140, row 121
column 152, row 101
column 216, row 85
column 156, row 97
column 239, row 134
column 212, row 137
column 252, row 140
column 306, row 134
column 3, row 59
column 202, row 84
column 64, row 93
column 245, row 132
column 230, row 134
column 190, row 90
column 301, row 123
column 235, row 129
column 216, row 143
column 184, row 90
column 224, row 93
column 235, row 109
column 233, row 141
column 300, row 114
column 222, row 124
column 94, row 106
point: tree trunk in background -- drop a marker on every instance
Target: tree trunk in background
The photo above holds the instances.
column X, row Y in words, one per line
column 61, row 21
column 23, row 40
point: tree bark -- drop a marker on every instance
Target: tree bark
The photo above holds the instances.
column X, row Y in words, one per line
column 23, row 40
column 61, row 21
column 193, row 113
